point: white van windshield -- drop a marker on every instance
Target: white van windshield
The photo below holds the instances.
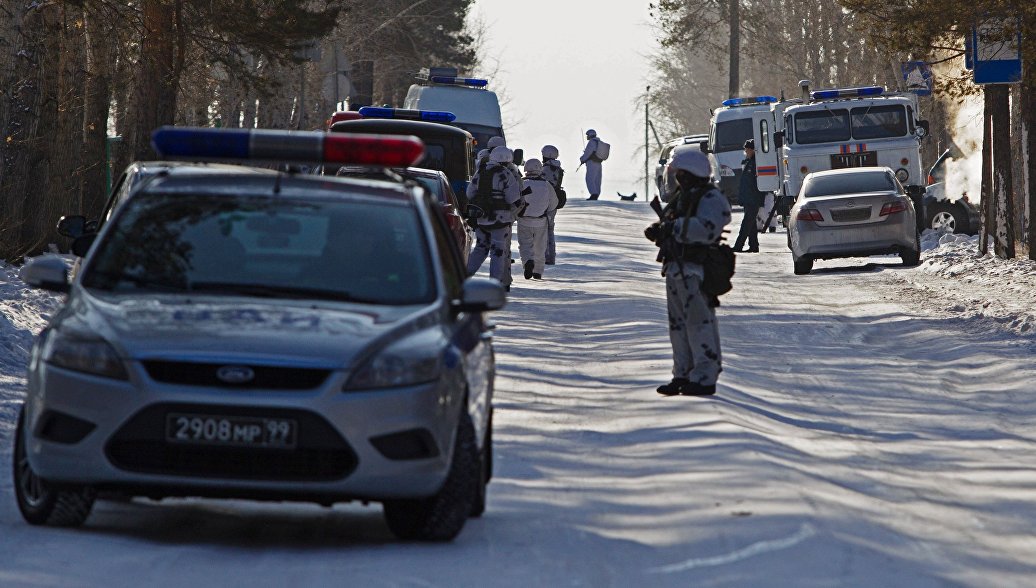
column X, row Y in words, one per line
column 732, row 134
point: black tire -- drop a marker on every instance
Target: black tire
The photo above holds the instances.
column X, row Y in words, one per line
column 950, row 218
column 485, row 470
column 40, row 502
column 912, row 257
column 803, row 265
column 441, row 516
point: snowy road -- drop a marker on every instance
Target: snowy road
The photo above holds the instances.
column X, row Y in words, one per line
column 860, row 437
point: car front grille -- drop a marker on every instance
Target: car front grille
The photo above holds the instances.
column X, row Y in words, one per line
column 850, row 215
column 207, row 374
column 320, row 453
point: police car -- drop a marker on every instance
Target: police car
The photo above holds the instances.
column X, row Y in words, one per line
column 265, row 336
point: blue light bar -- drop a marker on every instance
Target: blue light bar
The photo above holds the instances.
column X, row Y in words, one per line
column 473, row 82
column 407, row 114
column 847, row 93
column 254, row 145
column 747, row 101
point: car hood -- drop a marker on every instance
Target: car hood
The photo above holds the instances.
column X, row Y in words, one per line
column 301, row 333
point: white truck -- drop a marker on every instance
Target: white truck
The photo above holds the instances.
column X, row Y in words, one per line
column 729, row 127
column 477, row 109
column 835, row 129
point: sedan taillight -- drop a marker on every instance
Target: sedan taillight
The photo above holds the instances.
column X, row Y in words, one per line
column 810, row 214
column 892, row 207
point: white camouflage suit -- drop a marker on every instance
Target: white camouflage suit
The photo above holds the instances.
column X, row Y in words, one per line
column 693, row 330
column 493, row 232
column 552, row 171
column 538, row 199
column 593, row 165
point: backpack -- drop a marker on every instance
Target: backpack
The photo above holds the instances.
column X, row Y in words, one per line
column 486, row 199
column 603, row 150
column 559, row 175
column 562, row 197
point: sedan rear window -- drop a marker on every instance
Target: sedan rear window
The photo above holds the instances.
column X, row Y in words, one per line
column 854, row 183
column 350, row 250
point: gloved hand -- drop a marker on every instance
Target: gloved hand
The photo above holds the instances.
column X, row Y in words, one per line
column 658, row 231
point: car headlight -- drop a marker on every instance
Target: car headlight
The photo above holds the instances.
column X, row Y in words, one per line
column 83, row 353
column 902, row 175
column 397, row 367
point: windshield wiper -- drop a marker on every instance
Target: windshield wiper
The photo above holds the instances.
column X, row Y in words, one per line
column 111, row 279
column 268, row 291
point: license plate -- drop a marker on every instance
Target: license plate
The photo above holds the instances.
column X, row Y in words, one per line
column 847, row 160
column 233, row 431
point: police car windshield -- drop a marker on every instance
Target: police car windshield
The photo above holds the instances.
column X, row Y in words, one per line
column 363, row 251
column 854, row 183
column 732, row 134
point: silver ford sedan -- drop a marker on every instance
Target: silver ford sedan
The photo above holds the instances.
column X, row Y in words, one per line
column 855, row 212
column 280, row 336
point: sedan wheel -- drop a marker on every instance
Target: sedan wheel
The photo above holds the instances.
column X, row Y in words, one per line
column 40, row 502
column 803, row 265
column 947, row 218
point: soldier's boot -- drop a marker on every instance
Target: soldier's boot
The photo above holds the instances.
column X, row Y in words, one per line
column 677, row 386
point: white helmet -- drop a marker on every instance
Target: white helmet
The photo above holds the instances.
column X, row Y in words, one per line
column 690, row 159
column 549, row 152
column 590, row 133
column 533, row 167
column 495, row 142
column 501, row 154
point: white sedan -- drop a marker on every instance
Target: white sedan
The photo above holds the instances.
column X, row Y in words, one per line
column 855, row 212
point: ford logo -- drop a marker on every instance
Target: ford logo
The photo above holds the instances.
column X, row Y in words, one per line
column 235, row 374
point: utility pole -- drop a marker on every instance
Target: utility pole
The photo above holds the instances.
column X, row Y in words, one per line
column 735, row 48
column 647, row 123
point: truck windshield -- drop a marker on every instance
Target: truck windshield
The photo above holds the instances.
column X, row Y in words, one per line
column 822, row 126
column 875, row 122
column 732, row 134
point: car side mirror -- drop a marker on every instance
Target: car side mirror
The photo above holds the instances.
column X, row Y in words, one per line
column 704, row 147
column 82, row 244
column 519, row 156
column 778, row 139
column 72, row 226
column 48, row 272
column 922, row 129
column 480, row 294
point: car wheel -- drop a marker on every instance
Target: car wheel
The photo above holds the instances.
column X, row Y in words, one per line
column 40, row 502
column 485, row 471
column 912, row 257
column 441, row 516
column 947, row 218
column 803, row 265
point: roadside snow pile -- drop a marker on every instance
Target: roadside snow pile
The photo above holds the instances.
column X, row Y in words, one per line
column 977, row 286
column 23, row 313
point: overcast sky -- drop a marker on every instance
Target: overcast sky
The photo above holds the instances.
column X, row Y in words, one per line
column 569, row 65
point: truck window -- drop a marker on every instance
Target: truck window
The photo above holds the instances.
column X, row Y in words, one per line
column 875, row 122
column 434, row 157
column 731, row 135
column 822, row 126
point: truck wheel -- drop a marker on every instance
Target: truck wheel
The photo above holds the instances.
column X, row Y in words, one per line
column 40, row 502
column 441, row 516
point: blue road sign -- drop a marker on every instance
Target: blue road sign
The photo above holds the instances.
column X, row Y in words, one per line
column 918, row 77
column 996, row 60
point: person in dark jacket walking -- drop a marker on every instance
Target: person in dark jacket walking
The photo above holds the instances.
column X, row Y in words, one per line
column 751, row 199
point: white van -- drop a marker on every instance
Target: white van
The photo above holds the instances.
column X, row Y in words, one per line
column 477, row 109
column 729, row 128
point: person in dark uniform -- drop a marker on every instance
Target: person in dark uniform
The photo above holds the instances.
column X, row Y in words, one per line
column 751, row 199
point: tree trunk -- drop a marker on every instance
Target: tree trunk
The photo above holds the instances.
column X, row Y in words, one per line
column 734, row 86
column 100, row 58
column 1003, row 187
column 156, row 82
column 1028, row 100
column 987, row 170
column 67, row 143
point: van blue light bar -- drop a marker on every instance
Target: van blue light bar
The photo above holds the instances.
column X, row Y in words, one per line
column 847, row 93
column 208, row 144
column 748, row 101
column 473, row 82
column 407, row 114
